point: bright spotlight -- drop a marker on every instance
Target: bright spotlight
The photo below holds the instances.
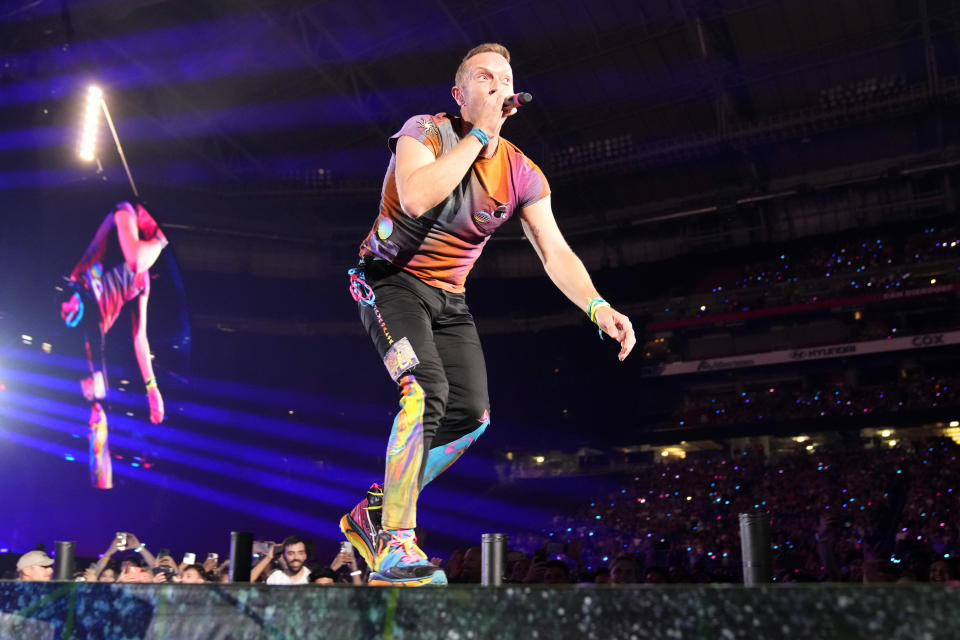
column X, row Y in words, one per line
column 91, row 121
column 886, row 433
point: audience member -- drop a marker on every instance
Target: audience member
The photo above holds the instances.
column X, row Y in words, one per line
column 292, row 570
column 193, row 574
column 35, row 566
column 323, row 575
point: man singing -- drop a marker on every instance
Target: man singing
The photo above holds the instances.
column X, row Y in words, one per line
column 451, row 182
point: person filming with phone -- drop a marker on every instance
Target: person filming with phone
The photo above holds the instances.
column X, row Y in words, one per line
column 124, row 541
column 347, row 560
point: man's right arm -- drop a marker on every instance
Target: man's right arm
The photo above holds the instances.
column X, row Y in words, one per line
column 423, row 181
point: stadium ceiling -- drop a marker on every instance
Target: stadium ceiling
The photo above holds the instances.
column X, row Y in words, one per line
column 212, row 92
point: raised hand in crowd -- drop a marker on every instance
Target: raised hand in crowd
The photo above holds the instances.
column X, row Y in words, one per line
column 347, row 558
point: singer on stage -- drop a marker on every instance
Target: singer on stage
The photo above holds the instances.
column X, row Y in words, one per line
column 451, row 182
column 114, row 270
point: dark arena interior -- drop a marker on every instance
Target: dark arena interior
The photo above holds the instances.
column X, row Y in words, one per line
column 768, row 189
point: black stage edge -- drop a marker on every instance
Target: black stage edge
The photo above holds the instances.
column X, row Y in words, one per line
column 78, row 610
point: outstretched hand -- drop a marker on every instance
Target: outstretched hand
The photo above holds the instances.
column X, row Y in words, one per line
column 617, row 326
column 156, row 405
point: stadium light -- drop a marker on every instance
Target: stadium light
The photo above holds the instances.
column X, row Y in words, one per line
column 91, row 123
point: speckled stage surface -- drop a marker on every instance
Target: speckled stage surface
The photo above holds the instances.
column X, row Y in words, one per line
column 726, row 612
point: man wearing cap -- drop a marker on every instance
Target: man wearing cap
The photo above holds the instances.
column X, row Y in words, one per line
column 35, row 566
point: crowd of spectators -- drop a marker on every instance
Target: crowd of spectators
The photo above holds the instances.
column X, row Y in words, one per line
column 847, row 513
column 874, row 263
column 865, row 261
column 128, row 560
column 784, row 402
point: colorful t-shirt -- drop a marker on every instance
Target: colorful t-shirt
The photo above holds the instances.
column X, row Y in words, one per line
column 441, row 246
column 112, row 285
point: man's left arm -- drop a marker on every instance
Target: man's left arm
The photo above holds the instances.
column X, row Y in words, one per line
column 567, row 272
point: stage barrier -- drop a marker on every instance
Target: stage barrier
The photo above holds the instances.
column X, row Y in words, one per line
column 70, row 610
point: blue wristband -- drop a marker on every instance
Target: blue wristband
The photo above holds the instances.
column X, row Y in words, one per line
column 480, row 135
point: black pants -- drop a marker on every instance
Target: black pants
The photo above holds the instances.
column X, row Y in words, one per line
column 89, row 341
column 441, row 376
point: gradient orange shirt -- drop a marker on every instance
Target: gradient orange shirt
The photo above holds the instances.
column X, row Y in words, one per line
column 441, row 246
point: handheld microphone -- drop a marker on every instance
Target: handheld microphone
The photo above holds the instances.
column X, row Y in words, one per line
column 517, row 100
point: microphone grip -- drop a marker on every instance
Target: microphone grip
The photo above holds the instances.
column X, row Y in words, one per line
column 517, row 100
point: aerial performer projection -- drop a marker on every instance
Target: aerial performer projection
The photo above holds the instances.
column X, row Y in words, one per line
column 114, row 271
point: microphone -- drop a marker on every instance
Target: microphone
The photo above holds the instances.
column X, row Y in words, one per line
column 517, row 100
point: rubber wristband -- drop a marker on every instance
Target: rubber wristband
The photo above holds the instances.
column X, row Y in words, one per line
column 479, row 135
column 143, row 545
column 594, row 305
column 150, row 384
column 356, row 573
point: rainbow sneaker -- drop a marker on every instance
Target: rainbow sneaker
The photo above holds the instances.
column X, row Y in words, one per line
column 401, row 563
column 361, row 526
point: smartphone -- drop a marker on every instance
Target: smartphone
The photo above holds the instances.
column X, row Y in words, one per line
column 346, row 547
column 121, row 540
column 189, row 558
column 261, row 548
column 213, row 556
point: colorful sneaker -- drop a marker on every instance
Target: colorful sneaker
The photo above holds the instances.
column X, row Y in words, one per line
column 401, row 563
column 361, row 526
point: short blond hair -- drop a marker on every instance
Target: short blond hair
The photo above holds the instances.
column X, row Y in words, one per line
column 494, row 47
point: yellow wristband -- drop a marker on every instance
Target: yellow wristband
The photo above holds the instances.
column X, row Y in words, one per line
column 593, row 306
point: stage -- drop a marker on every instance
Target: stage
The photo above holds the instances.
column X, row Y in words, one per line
column 182, row 612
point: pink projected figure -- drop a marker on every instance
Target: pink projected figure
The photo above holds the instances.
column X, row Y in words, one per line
column 114, row 270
